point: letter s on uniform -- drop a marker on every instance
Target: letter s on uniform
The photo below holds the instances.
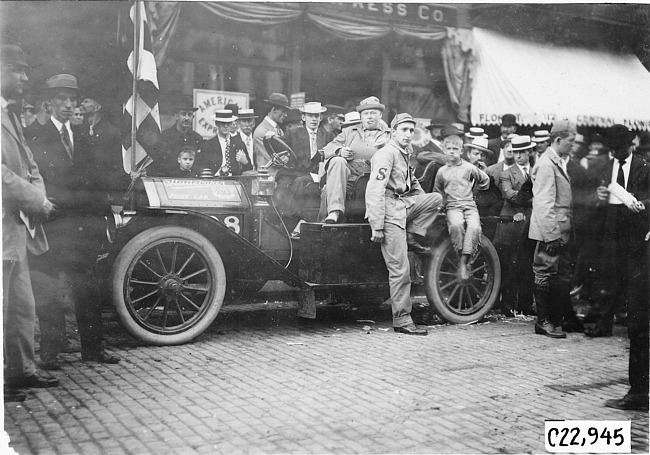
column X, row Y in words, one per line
column 381, row 173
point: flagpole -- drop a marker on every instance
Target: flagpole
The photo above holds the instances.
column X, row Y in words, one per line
column 134, row 95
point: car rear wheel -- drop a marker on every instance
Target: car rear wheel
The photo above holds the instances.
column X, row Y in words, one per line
column 463, row 301
column 168, row 285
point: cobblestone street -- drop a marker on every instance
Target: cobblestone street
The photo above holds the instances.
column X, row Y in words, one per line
column 263, row 381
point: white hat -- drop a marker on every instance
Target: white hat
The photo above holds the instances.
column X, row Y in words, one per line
column 476, row 132
column 480, row 143
column 541, row 136
column 224, row 116
column 521, row 143
column 351, row 118
column 313, row 108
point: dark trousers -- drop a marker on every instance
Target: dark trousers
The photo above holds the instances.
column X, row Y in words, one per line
column 517, row 274
column 75, row 240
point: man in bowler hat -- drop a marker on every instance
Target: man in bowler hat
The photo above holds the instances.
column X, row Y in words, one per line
column 508, row 127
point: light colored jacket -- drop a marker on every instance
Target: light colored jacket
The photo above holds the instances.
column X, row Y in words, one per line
column 262, row 157
column 363, row 146
column 552, row 200
column 389, row 187
column 22, row 190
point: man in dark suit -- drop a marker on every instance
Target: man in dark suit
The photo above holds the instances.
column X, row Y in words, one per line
column 511, row 240
column 305, row 141
column 75, row 234
column 224, row 154
column 173, row 139
column 24, row 204
column 103, row 167
column 508, row 127
column 623, row 228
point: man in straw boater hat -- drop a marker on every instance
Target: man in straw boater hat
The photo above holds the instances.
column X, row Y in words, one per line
column 74, row 243
column 399, row 212
column 246, row 125
column 511, row 240
column 551, row 227
column 350, row 119
column 476, row 151
column 176, row 137
column 224, row 154
column 347, row 157
column 624, row 232
column 24, row 206
column 306, row 141
column 270, row 127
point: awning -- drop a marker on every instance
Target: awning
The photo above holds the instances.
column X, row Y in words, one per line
column 542, row 83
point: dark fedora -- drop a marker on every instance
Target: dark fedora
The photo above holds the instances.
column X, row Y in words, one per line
column 437, row 123
column 618, row 136
column 59, row 81
column 451, row 131
column 184, row 103
column 232, row 107
column 334, row 109
column 13, row 54
column 278, row 100
column 508, row 120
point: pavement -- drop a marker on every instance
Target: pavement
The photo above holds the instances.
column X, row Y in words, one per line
column 261, row 380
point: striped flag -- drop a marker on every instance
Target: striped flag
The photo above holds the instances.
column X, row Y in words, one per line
column 141, row 115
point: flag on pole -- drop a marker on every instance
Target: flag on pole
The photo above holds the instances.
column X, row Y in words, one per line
column 141, row 118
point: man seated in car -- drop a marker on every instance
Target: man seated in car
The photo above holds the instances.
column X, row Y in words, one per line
column 348, row 157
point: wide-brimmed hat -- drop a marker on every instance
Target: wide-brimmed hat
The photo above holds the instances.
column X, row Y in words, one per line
column 436, row 123
column 480, row 143
column 450, row 131
column 224, row 116
column 59, row 81
column 372, row 102
column 541, row 136
column 401, row 118
column 182, row 103
column 459, row 126
column 476, row 132
column 521, row 143
column 334, row 109
column 351, row 118
column 313, row 108
column 564, row 126
column 278, row 100
column 13, row 54
column 508, row 120
column 245, row 114
column 618, row 136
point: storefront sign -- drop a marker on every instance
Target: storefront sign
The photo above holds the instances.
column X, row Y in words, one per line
column 422, row 13
column 209, row 101
column 297, row 100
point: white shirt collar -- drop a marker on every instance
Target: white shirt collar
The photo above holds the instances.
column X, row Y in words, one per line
column 3, row 102
column 58, row 126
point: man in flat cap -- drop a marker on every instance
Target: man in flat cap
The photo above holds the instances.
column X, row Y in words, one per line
column 399, row 212
column 270, row 127
column 508, row 127
column 75, row 236
column 347, row 157
column 551, row 226
column 173, row 139
column 24, row 205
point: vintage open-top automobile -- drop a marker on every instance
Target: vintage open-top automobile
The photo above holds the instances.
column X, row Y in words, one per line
column 183, row 243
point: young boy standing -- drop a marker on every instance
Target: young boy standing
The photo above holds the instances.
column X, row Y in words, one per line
column 455, row 181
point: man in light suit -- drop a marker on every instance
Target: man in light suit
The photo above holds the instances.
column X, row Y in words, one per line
column 305, row 141
column 551, row 228
column 24, row 204
column 270, row 127
column 246, row 126
column 511, row 239
column 224, row 154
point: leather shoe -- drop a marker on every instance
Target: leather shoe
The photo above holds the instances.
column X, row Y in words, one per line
column 50, row 365
column 101, row 357
column 546, row 328
column 410, row 329
column 32, row 381
column 14, row 396
column 573, row 325
column 598, row 331
column 333, row 217
column 414, row 246
column 629, row 403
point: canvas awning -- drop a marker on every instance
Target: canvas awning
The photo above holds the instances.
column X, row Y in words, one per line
column 541, row 83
